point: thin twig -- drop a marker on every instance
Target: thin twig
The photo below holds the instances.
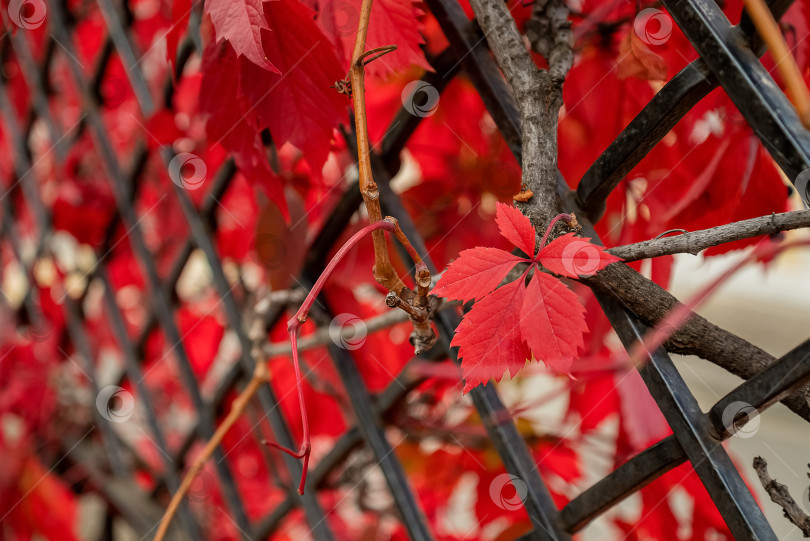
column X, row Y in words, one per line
column 780, row 495
column 323, row 337
column 238, row 407
column 384, row 272
column 418, row 304
column 697, row 336
column 696, row 241
column 682, row 312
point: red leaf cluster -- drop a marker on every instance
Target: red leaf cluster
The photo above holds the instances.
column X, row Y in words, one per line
column 507, row 325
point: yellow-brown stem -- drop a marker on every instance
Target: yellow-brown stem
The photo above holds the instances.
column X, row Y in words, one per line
column 238, row 407
column 769, row 31
column 384, row 272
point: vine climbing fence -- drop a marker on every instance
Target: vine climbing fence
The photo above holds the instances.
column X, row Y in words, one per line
column 728, row 58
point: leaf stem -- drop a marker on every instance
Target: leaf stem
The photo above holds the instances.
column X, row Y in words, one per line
column 388, row 224
column 261, row 374
column 566, row 217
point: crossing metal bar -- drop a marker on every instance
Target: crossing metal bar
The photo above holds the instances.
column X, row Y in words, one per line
column 631, row 476
column 765, row 389
column 659, row 116
column 680, row 408
column 761, row 102
column 754, row 395
column 726, row 58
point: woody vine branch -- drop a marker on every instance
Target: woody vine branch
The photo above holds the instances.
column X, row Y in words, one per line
column 415, row 304
column 539, row 97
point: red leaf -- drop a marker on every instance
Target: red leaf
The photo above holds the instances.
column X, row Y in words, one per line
column 298, row 106
column 40, row 503
column 489, row 339
column 475, row 273
column 552, row 322
column 515, row 227
column 593, row 401
column 201, row 338
column 573, row 256
column 641, row 417
column 240, row 23
column 224, row 104
column 392, row 22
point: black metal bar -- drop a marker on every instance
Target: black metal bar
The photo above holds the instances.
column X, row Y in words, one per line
column 39, row 100
column 680, row 408
column 756, row 394
column 745, row 80
column 659, row 116
column 766, row 388
column 634, row 474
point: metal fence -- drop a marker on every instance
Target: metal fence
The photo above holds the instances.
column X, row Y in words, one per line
column 728, row 57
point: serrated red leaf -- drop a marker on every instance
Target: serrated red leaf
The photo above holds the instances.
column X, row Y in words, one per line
column 240, row 23
column 552, row 321
column 230, row 122
column 515, row 227
column 488, row 338
column 475, row 273
column 573, row 256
